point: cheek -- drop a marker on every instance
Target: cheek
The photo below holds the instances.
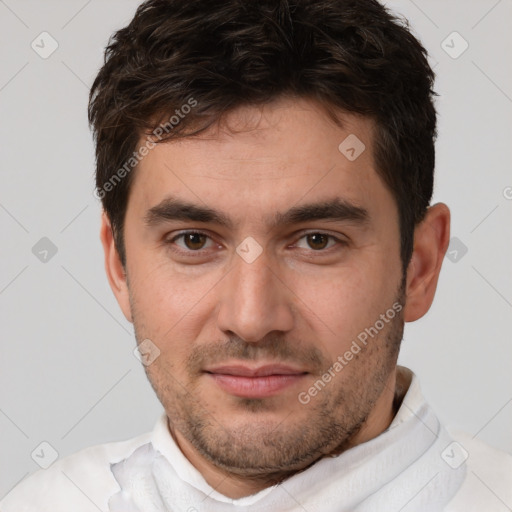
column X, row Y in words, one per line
column 340, row 306
column 171, row 303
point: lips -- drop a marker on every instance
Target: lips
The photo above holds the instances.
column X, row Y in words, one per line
column 260, row 371
column 255, row 382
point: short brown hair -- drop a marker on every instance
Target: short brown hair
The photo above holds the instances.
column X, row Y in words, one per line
column 352, row 55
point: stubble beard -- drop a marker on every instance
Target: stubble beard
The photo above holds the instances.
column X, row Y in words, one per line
column 270, row 451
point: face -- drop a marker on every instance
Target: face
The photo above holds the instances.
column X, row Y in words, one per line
column 264, row 264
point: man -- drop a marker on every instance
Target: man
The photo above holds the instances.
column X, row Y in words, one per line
column 266, row 171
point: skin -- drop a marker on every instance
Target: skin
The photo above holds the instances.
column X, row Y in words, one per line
column 302, row 301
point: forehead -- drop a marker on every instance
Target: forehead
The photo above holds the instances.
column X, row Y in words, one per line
column 263, row 159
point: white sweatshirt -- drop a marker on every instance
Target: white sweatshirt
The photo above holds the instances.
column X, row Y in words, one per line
column 415, row 465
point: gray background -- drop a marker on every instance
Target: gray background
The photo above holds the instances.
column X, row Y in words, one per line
column 68, row 375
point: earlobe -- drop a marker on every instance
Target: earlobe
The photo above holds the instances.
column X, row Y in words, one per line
column 116, row 273
column 431, row 239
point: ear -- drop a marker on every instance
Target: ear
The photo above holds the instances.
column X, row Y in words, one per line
column 431, row 240
column 114, row 268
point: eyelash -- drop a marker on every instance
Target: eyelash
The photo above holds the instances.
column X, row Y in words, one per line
column 199, row 252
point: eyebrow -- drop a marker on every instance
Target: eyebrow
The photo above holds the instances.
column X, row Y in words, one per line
column 335, row 209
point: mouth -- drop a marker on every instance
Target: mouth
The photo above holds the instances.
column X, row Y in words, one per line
column 255, row 382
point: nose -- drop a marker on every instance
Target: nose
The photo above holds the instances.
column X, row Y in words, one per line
column 255, row 300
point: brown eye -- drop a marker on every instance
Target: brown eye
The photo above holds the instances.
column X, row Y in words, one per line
column 320, row 242
column 317, row 241
column 191, row 244
column 194, row 241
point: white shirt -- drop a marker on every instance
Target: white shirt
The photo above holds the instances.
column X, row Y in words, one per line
column 415, row 465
